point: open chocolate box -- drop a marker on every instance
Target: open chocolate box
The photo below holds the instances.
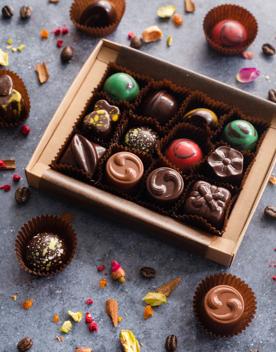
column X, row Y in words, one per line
column 216, row 241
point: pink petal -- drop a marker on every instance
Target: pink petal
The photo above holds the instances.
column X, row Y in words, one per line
column 248, row 74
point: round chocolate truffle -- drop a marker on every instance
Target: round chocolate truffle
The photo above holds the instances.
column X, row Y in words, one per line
column 100, row 13
column 241, row 134
column 121, row 86
column 229, row 33
column 226, row 162
column 165, row 184
column 141, row 138
column 202, row 114
column 223, row 305
column 45, row 252
column 160, row 105
column 184, row 153
column 124, row 170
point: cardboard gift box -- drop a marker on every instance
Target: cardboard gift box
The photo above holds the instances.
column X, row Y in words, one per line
column 221, row 249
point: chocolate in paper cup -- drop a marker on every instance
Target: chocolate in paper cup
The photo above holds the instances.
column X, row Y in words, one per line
column 239, row 321
column 19, row 85
column 232, row 12
column 60, row 225
column 77, row 8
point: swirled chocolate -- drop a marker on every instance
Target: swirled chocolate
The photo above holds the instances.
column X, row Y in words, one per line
column 83, row 154
column 124, row 170
column 208, row 201
column 223, row 304
column 226, row 162
column 165, row 184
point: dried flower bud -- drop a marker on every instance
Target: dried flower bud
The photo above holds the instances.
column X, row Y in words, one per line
column 22, row 195
column 25, row 344
column 26, row 12
column 7, row 12
column 67, row 54
column 171, row 343
column 136, row 42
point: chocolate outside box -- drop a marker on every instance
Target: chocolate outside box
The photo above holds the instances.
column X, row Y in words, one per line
column 221, row 249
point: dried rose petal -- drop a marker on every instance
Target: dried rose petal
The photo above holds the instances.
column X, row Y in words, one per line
column 5, row 188
column 248, row 74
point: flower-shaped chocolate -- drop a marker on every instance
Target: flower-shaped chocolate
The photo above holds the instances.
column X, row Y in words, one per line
column 226, row 162
column 208, row 201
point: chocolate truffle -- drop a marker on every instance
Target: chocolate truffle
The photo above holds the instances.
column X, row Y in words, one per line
column 83, row 154
column 11, row 102
column 226, row 163
column 184, row 153
column 165, row 184
column 100, row 13
column 229, row 33
column 208, row 201
column 100, row 119
column 241, row 134
column 121, row 86
column 141, row 138
column 223, row 306
column 45, row 252
column 202, row 114
column 124, row 170
column 160, row 105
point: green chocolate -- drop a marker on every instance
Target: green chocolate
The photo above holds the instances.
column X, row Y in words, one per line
column 241, row 134
column 121, row 86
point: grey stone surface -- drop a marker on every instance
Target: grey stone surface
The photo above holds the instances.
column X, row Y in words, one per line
column 102, row 237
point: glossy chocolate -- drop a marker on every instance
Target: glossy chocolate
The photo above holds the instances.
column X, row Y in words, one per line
column 208, row 201
column 201, row 114
column 100, row 13
column 241, row 134
column 223, row 305
column 141, row 138
column 165, row 184
column 45, row 252
column 229, row 33
column 121, row 86
column 124, row 170
column 160, row 105
column 184, row 153
column 113, row 111
column 226, row 163
column 98, row 121
column 83, row 154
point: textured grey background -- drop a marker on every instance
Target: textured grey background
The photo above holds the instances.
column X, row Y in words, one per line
column 100, row 237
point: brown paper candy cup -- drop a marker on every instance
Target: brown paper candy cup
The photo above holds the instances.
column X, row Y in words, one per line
column 19, row 85
column 233, row 12
column 60, row 225
column 248, row 295
column 77, row 8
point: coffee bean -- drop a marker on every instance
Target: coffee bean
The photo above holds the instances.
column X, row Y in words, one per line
column 26, row 12
column 7, row 12
column 25, row 344
column 171, row 343
column 67, row 54
column 22, row 195
column 268, row 49
column 270, row 211
column 272, row 95
column 136, row 42
column 147, row 272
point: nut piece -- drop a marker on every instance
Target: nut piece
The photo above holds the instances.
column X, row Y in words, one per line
column 268, row 49
column 152, row 34
column 25, row 344
column 26, row 12
column 171, row 343
column 83, row 349
column 22, row 195
column 272, row 95
column 148, row 272
column 270, row 211
column 7, row 12
column 189, row 6
column 136, row 42
column 67, row 54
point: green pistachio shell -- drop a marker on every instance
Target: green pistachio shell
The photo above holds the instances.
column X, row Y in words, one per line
column 121, row 86
column 129, row 341
column 155, row 299
column 166, row 11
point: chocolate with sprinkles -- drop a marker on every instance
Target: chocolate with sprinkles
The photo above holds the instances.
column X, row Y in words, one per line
column 141, row 138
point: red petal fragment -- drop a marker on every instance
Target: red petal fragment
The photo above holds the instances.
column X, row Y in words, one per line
column 16, row 178
column 5, row 188
column 25, row 130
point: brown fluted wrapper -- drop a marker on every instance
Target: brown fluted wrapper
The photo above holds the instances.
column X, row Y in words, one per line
column 61, row 225
column 233, row 12
column 19, row 85
column 77, row 8
column 248, row 295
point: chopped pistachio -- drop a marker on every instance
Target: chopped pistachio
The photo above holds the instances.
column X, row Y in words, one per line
column 169, row 40
column 76, row 316
column 129, row 341
column 9, row 41
column 21, row 47
column 4, row 58
column 155, row 299
column 66, row 327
